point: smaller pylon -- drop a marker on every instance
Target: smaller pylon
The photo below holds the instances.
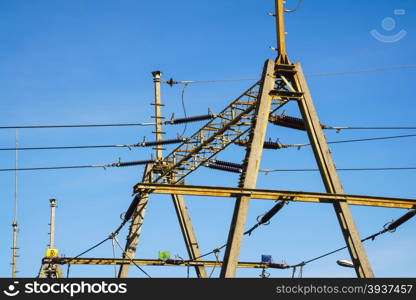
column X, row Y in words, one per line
column 14, row 248
column 51, row 270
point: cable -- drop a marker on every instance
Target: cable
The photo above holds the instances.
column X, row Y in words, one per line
column 217, row 260
column 75, row 126
column 389, row 227
column 141, row 144
column 296, row 8
column 114, row 257
column 341, row 169
column 357, row 140
column 116, row 165
column 373, row 139
column 148, row 144
column 45, row 168
column 368, row 128
column 171, row 82
column 16, row 178
column 184, row 108
column 128, row 256
column 86, row 251
column 362, row 71
column 68, row 147
column 263, row 171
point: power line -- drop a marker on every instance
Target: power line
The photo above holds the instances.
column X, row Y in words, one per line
column 127, row 164
column 381, row 69
column 341, row 169
column 75, row 126
column 369, row 128
column 356, row 140
column 84, row 252
column 67, row 147
column 389, row 227
column 169, row 122
column 113, row 165
column 141, row 144
column 148, row 144
column 128, row 256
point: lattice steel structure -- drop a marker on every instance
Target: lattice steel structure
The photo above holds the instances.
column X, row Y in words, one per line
column 243, row 122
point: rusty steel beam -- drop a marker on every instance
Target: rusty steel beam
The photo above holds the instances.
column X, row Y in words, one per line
column 248, row 178
column 229, row 192
column 329, row 175
column 154, row 262
column 135, row 228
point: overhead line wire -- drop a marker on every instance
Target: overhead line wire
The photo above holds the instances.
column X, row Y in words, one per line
column 143, row 144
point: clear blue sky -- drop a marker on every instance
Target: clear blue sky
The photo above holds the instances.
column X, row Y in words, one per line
column 90, row 61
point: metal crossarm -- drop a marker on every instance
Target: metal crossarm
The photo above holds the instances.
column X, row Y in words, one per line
column 155, row 262
column 211, row 191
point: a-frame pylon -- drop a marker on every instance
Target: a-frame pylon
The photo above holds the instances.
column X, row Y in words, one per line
column 248, row 116
column 291, row 83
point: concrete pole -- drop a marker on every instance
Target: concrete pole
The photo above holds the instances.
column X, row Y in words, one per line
column 158, row 114
column 14, row 263
column 52, row 224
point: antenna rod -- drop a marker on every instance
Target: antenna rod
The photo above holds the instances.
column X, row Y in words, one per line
column 158, row 114
column 14, row 224
column 52, row 224
column 14, row 248
column 280, row 32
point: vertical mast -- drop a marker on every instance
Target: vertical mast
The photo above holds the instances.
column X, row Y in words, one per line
column 14, row 224
column 158, row 114
column 52, row 224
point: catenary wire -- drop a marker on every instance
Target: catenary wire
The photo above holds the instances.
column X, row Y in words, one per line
column 263, row 170
column 75, row 126
column 381, row 69
column 138, row 145
column 128, row 256
column 357, row 140
column 340, row 169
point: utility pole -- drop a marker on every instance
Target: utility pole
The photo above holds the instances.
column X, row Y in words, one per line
column 158, row 114
column 51, row 270
column 249, row 175
column 52, row 224
column 178, row 200
column 15, row 226
column 282, row 58
column 14, row 248
column 293, row 77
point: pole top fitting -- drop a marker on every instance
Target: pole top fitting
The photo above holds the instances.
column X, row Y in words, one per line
column 157, row 73
column 52, row 201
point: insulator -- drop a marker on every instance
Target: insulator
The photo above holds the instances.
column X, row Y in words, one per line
column 241, row 142
column 275, row 209
column 223, row 168
column 266, row 145
column 133, row 163
column 273, row 145
column 190, row 119
column 286, row 121
column 163, row 142
column 401, row 220
column 277, row 266
column 228, row 164
column 132, row 207
column 290, row 122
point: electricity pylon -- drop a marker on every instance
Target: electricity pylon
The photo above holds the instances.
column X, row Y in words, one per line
column 243, row 122
column 281, row 82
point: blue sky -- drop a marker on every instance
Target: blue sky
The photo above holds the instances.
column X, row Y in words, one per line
column 90, row 61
